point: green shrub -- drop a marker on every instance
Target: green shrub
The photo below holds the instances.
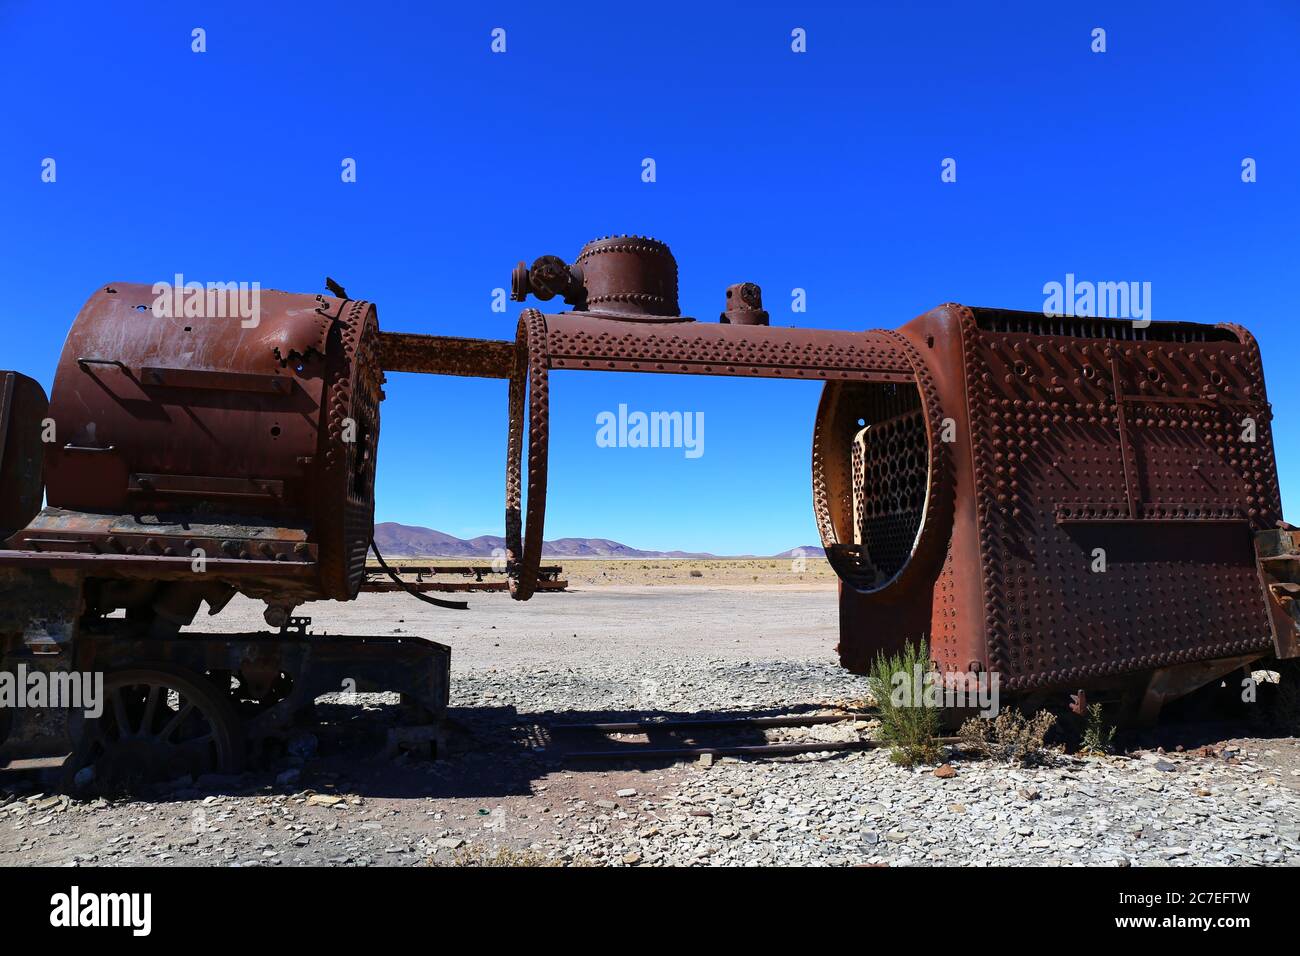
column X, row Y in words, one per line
column 1098, row 736
column 907, row 724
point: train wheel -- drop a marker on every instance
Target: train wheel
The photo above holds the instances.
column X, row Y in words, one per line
column 157, row 724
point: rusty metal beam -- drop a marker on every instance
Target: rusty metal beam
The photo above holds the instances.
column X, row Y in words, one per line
column 445, row 355
column 156, row 565
column 456, row 586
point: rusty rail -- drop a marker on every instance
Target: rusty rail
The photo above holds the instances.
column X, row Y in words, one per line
column 774, row 749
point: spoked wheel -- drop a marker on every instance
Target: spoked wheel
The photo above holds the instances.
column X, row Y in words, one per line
column 157, row 725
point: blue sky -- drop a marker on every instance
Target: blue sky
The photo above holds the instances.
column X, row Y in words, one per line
column 817, row 170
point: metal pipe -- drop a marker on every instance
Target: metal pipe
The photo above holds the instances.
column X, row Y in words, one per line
column 445, row 355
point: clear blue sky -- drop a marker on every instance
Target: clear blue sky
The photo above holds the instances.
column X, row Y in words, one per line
column 817, row 170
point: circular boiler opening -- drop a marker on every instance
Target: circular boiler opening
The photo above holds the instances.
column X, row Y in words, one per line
column 871, row 467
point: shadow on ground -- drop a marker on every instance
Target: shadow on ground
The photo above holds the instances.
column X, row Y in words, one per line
column 500, row 752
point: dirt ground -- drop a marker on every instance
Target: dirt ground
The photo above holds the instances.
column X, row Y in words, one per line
column 654, row 572
column 626, row 610
column 657, row 642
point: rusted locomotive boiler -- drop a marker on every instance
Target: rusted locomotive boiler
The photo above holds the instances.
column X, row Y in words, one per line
column 189, row 454
column 1066, row 503
column 242, row 445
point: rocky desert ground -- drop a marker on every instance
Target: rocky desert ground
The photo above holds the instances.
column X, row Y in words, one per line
column 649, row 639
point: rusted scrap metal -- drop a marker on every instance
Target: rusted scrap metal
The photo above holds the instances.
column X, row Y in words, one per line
column 1177, row 680
column 23, row 410
column 628, row 276
column 191, row 454
column 1089, row 522
column 971, row 470
column 445, row 355
column 238, row 441
column 550, row 572
column 417, row 669
column 449, row 587
column 1279, row 560
column 40, row 627
column 484, row 578
column 628, row 327
column 396, row 580
column 45, row 553
column 1068, row 505
column 744, row 305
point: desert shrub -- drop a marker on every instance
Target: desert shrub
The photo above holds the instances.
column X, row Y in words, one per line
column 910, row 726
column 1098, row 736
column 1009, row 736
column 476, row 856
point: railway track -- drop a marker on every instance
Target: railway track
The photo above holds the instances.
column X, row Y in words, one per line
column 685, row 737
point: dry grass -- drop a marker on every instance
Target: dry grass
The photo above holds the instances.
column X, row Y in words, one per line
column 709, row 572
column 502, row 856
column 704, row 572
column 1010, row 736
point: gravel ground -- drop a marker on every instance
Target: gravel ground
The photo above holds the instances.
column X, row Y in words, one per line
column 509, row 796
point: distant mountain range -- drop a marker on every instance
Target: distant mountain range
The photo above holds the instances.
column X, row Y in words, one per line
column 803, row 551
column 412, row 541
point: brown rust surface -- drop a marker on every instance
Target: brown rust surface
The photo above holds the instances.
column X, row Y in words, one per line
column 969, row 470
column 445, row 355
column 23, row 409
column 217, row 418
column 999, row 455
column 1079, row 440
column 592, row 343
